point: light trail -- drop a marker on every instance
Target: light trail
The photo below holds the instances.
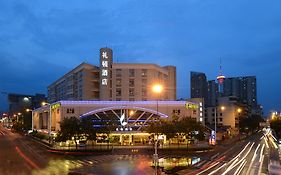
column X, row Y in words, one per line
column 208, row 168
column 255, row 154
column 265, row 139
column 261, row 154
column 273, row 143
column 233, row 159
column 252, row 161
column 30, row 162
column 216, row 170
column 273, row 137
column 261, row 162
column 230, row 168
column 239, row 169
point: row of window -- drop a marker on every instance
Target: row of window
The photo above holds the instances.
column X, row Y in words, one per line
column 131, row 82
column 131, row 72
column 131, row 92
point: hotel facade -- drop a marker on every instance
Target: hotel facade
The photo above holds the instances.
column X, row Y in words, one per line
column 121, row 93
column 114, row 81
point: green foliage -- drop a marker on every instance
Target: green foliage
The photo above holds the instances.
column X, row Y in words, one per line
column 38, row 135
column 275, row 124
column 177, row 127
column 86, row 126
column 70, row 128
column 250, row 124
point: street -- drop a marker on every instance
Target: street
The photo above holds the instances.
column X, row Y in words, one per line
column 249, row 157
column 20, row 155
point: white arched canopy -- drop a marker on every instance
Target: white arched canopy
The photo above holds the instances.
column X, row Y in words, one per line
column 125, row 117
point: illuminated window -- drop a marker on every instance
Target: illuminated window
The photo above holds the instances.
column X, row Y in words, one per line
column 144, row 72
column 131, row 92
column 118, row 82
column 118, row 92
column 131, row 82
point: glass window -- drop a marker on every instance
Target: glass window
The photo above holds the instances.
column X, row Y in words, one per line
column 144, row 92
column 144, row 82
column 118, row 82
column 118, row 72
column 131, row 92
column 131, row 82
column 131, row 72
column 118, row 92
column 144, row 72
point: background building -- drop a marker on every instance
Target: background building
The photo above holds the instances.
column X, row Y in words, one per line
column 114, row 81
column 244, row 88
column 198, row 85
column 20, row 107
column 213, row 93
column 21, row 102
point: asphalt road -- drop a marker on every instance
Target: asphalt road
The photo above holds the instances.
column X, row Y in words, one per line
column 21, row 156
column 249, row 157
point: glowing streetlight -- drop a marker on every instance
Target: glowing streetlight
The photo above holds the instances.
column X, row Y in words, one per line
column 44, row 103
column 222, row 108
column 28, row 110
column 157, row 88
column 239, row 110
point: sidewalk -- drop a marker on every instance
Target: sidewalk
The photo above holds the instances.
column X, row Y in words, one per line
column 123, row 149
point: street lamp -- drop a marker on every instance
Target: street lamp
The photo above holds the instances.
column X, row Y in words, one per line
column 32, row 122
column 50, row 118
column 222, row 108
column 157, row 88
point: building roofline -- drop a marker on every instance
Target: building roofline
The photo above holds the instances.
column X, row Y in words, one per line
column 73, row 70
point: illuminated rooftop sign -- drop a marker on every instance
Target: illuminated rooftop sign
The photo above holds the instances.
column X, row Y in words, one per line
column 55, row 106
column 104, row 68
column 189, row 105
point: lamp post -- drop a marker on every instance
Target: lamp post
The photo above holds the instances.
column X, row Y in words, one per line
column 157, row 88
column 239, row 111
column 32, row 123
column 50, row 119
column 222, row 108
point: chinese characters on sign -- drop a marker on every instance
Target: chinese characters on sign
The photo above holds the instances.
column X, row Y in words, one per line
column 104, row 71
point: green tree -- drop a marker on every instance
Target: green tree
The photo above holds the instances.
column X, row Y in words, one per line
column 87, row 128
column 275, row 124
column 249, row 123
column 70, row 128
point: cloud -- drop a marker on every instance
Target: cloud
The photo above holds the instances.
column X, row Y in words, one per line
column 190, row 34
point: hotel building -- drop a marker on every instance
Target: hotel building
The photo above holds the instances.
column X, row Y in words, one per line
column 114, row 81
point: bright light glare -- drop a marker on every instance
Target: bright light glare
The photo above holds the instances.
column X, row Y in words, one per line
column 157, row 88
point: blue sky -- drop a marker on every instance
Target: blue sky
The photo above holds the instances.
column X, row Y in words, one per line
column 42, row 40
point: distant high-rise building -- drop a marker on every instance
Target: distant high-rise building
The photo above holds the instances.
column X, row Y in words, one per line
column 199, row 85
column 244, row 88
column 213, row 93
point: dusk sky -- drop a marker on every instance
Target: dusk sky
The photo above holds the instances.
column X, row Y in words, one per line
column 42, row 40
